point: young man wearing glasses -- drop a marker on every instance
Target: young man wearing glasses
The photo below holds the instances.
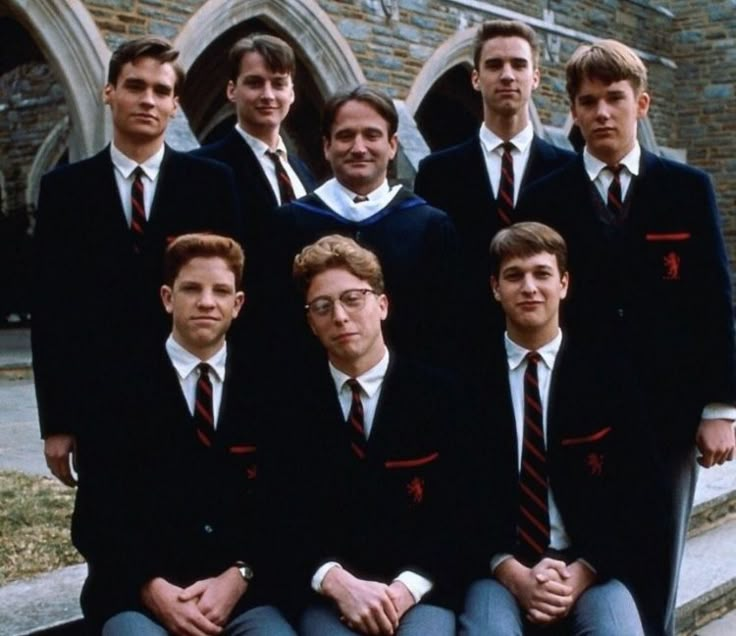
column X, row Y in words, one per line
column 378, row 523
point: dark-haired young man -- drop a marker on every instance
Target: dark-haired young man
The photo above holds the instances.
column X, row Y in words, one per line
column 652, row 274
column 102, row 227
column 415, row 242
column 466, row 180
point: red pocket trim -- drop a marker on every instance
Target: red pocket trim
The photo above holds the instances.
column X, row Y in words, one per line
column 674, row 236
column 411, row 463
column 572, row 441
column 242, row 450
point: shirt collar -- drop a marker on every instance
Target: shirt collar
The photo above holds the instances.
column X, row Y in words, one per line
column 515, row 353
column 593, row 165
column 370, row 381
column 521, row 140
column 125, row 165
column 380, row 191
column 185, row 362
column 260, row 147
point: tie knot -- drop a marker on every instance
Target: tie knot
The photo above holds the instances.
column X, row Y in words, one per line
column 507, row 146
column 204, row 370
column 616, row 170
column 274, row 155
column 359, row 198
column 138, row 173
column 533, row 357
column 354, row 386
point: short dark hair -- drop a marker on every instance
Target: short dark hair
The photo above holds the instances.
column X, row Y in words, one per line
column 188, row 246
column 527, row 239
column 378, row 101
column 160, row 49
column 337, row 252
column 277, row 54
column 608, row 61
column 505, row 29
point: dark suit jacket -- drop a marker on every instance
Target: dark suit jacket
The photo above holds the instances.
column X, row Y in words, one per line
column 599, row 464
column 97, row 314
column 393, row 511
column 456, row 180
column 658, row 288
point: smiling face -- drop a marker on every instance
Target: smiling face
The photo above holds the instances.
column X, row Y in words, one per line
column 360, row 148
column 141, row 102
column 203, row 302
column 506, row 77
column 530, row 290
column 262, row 97
column 607, row 114
column 353, row 338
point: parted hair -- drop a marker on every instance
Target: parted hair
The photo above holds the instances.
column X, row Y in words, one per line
column 522, row 240
column 186, row 247
column 160, row 49
column 337, row 252
column 277, row 54
column 608, row 61
column 378, row 101
column 504, row 29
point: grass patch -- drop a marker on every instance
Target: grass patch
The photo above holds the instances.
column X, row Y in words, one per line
column 35, row 517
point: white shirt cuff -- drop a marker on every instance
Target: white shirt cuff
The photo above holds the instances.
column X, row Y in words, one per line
column 498, row 559
column 718, row 411
column 321, row 573
column 417, row 585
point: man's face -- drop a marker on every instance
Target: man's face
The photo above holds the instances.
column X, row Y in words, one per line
column 530, row 290
column 261, row 96
column 359, row 148
column 202, row 302
column 142, row 101
column 352, row 337
column 505, row 77
column 607, row 115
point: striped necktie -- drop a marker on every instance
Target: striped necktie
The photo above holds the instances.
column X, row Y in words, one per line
column 356, row 420
column 138, row 209
column 286, row 190
column 505, row 203
column 204, row 419
column 615, row 199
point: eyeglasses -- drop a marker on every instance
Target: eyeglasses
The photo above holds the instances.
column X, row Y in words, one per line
column 351, row 300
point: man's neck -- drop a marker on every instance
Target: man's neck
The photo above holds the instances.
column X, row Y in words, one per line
column 268, row 135
column 136, row 151
column 533, row 340
column 613, row 158
column 356, row 368
column 506, row 127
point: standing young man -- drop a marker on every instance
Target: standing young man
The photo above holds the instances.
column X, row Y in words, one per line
column 559, row 543
column 379, row 431
column 478, row 182
column 415, row 242
column 103, row 225
column 197, row 565
column 652, row 275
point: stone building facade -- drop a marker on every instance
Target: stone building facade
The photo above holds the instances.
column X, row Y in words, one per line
column 54, row 55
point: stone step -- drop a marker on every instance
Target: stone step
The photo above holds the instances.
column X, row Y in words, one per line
column 724, row 626
column 715, row 498
column 707, row 578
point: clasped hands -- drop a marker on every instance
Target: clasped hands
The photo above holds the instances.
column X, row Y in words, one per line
column 368, row 607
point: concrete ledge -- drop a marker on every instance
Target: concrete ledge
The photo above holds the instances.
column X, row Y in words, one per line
column 43, row 604
column 715, row 498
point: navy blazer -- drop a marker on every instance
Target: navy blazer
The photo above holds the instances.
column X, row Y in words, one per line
column 658, row 287
column 456, row 180
column 599, row 461
column 395, row 510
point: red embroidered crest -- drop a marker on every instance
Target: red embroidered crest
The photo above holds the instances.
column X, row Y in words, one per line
column 671, row 266
column 251, row 472
column 594, row 463
column 415, row 488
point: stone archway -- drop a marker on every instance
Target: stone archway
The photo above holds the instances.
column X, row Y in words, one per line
column 48, row 156
column 75, row 50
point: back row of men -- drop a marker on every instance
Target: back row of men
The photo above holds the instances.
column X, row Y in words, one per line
column 404, row 494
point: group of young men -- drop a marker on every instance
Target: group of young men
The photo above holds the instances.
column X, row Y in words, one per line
column 465, row 459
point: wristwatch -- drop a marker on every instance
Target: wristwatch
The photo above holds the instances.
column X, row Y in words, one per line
column 245, row 571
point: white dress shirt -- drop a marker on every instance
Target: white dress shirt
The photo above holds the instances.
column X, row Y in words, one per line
column 341, row 200
column 370, row 391
column 124, row 167
column 493, row 153
column 260, row 149
column 185, row 365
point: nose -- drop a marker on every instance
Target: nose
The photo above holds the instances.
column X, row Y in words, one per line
column 359, row 146
column 602, row 111
column 528, row 285
column 339, row 315
column 507, row 72
column 147, row 97
column 206, row 299
column 267, row 91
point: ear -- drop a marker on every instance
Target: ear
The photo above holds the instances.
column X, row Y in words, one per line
column 230, row 90
column 167, row 297
column 564, row 284
column 383, row 305
column 326, row 148
column 475, row 80
column 239, row 303
column 107, row 93
column 393, row 144
column 535, row 78
column 494, row 288
column 642, row 104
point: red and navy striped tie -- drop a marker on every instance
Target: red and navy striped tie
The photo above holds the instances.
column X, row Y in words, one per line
column 533, row 522
column 505, row 203
column 615, row 199
column 286, row 190
column 204, row 419
column 138, row 208
column 356, row 421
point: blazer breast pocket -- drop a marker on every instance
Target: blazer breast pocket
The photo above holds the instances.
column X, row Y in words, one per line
column 588, row 454
column 668, row 257
column 244, row 461
column 412, row 478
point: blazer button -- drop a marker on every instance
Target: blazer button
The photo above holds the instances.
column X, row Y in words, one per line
column 358, row 234
column 620, row 312
column 208, row 529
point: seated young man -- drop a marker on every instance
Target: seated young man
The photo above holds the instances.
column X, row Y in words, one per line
column 379, row 490
column 198, row 566
column 547, row 553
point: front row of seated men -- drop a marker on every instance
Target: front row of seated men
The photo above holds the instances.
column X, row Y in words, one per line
column 373, row 495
